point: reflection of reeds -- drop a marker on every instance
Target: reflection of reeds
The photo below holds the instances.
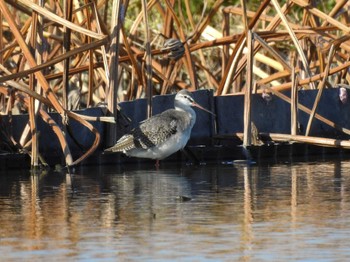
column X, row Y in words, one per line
column 238, row 207
column 51, row 53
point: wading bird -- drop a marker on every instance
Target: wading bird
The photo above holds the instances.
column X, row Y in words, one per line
column 161, row 135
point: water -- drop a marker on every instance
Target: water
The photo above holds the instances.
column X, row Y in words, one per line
column 280, row 212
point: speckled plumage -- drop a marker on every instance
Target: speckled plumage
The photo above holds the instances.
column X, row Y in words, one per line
column 162, row 134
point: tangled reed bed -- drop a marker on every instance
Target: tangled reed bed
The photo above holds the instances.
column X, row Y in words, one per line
column 59, row 56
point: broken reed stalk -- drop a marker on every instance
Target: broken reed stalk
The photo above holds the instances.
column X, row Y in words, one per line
column 210, row 80
column 322, row 15
column 247, row 124
column 89, row 35
column 273, row 52
column 31, row 61
column 112, row 89
column 320, row 89
column 50, row 95
column 67, row 12
column 31, row 102
column 168, row 66
column 308, row 111
column 238, row 43
column 91, row 59
column 99, row 26
column 54, row 61
column 1, row 47
column 29, row 57
column 25, row 89
column 188, row 58
column 57, row 19
column 148, row 59
column 61, row 138
column 294, row 39
column 233, row 66
column 302, row 82
column 136, row 71
column 225, row 48
column 319, row 141
column 272, row 26
column 294, row 101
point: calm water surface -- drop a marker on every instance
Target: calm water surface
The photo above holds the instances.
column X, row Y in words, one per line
column 280, row 212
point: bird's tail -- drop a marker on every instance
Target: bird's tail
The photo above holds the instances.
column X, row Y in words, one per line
column 124, row 144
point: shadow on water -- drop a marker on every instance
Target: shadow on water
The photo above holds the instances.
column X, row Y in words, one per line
column 232, row 212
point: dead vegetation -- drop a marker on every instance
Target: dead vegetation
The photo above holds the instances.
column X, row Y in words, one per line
column 59, row 56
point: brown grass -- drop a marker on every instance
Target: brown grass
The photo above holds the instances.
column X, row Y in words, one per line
column 79, row 55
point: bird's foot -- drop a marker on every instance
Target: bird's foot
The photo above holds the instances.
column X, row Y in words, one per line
column 157, row 164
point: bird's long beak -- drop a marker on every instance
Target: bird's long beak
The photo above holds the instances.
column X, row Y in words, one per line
column 200, row 107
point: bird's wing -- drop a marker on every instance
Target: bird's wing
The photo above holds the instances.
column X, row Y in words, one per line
column 155, row 130
column 152, row 131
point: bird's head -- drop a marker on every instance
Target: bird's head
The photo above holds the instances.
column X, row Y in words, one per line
column 184, row 100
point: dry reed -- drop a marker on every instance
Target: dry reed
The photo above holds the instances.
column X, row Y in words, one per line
column 59, row 56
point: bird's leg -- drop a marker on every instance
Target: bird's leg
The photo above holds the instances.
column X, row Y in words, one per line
column 157, row 163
